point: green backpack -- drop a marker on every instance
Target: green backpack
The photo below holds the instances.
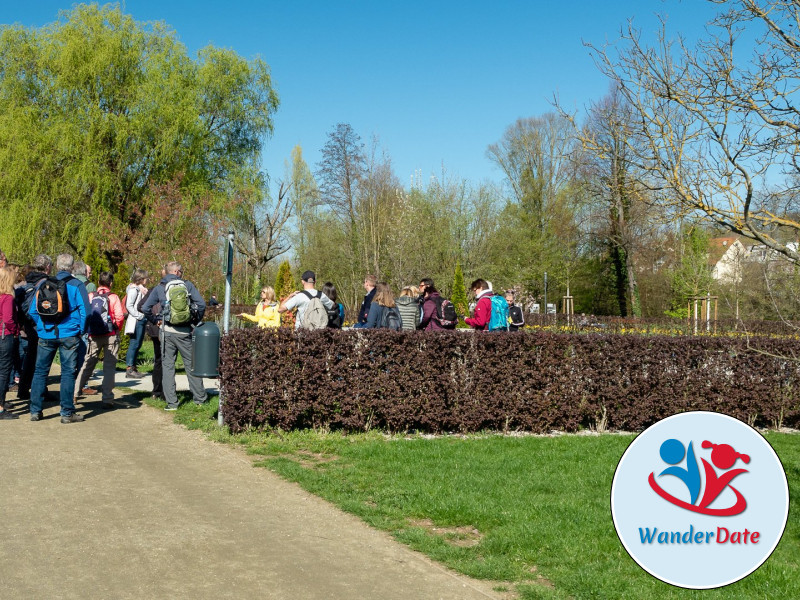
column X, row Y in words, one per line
column 176, row 307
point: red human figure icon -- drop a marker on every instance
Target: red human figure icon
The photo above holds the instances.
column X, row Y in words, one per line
column 724, row 457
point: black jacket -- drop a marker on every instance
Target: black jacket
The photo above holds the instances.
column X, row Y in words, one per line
column 363, row 312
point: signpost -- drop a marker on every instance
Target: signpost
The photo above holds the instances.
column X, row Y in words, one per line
column 226, row 315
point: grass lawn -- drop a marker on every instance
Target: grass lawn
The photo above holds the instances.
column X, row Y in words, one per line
column 529, row 513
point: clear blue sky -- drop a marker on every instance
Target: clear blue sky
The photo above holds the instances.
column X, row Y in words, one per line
column 436, row 81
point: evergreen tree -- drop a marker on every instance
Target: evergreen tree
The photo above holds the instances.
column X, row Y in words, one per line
column 94, row 260
column 285, row 285
column 459, row 295
column 121, row 279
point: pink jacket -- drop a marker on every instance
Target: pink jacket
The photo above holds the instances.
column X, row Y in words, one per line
column 8, row 315
column 114, row 307
column 483, row 311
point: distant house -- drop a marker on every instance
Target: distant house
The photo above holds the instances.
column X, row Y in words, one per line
column 772, row 259
column 726, row 256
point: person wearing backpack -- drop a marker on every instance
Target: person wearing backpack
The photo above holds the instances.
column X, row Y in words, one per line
column 335, row 315
column 483, row 307
column 29, row 339
column 153, row 331
column 312, row 306
column 59, row 308
column 430, row 299
column 182, row 307
column 383, row 313
column 103, row 325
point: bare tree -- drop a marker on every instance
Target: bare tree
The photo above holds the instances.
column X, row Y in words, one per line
column 614, row 195
column 718, row 129
column 340, row 172
column 378, row 202
column 260, row 227
column 535, row 155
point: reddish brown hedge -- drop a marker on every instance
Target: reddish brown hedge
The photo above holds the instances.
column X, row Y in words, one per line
column 465, row 381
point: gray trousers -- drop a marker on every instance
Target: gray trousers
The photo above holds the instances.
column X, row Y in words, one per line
column 171, row 344
column 109, row 344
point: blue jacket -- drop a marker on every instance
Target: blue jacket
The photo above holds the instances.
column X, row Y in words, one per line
column 75, row 322
column 159, row 294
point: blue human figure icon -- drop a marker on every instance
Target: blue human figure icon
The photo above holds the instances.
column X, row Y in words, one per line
column 672, row 453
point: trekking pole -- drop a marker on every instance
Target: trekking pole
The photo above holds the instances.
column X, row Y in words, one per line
column 226, row 314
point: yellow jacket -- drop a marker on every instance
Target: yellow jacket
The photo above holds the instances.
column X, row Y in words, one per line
column 267, row 315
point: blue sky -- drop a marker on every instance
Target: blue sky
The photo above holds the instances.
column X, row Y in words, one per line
column 436, row 82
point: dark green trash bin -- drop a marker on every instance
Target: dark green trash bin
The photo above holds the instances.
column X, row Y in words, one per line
column 205, row 350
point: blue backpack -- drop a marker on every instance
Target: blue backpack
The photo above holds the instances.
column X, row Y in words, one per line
column 499, row 318
column 99, row 321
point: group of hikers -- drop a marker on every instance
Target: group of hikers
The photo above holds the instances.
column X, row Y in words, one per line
column 416, row 308
column 49, row 307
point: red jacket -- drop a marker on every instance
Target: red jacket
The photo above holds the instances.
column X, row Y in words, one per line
column 483, row 311
column 8, row 315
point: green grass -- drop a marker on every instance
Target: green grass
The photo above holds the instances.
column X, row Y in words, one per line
column 528, row 513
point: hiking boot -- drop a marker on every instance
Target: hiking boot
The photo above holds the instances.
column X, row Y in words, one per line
column 131, row 373
column 87, row 391
column 5, row 415
column 37, row 416
column 73, row 418
column 170, row 408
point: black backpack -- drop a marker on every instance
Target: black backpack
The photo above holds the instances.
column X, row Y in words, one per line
column 334, row 317
column 51, row 299
column 24, row 297
column 390, row 319
column 516, row 316
column 446, row 313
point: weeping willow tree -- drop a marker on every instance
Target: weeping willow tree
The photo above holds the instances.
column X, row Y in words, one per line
column 96, row 107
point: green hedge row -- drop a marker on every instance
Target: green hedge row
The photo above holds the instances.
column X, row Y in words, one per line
column 467, row 381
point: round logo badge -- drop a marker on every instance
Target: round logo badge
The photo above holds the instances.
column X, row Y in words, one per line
column 699, row 500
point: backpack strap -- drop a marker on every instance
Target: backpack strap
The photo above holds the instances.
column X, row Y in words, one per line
column 310, row 297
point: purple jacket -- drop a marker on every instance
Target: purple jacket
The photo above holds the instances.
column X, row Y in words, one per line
column 429, row 321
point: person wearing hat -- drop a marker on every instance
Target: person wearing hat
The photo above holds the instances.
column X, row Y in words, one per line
column 300, row 300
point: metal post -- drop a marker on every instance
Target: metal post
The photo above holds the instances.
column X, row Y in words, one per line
column 545, row 297
column 226, row 315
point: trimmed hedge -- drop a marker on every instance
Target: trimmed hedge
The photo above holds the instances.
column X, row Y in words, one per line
column 466, row 382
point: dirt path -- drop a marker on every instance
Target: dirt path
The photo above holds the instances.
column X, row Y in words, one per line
column 130, row 505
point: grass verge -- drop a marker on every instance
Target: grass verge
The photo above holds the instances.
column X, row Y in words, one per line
column 529, row 513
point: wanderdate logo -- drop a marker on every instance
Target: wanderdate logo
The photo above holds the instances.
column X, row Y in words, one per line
column 699, row 500
column 723, row 457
